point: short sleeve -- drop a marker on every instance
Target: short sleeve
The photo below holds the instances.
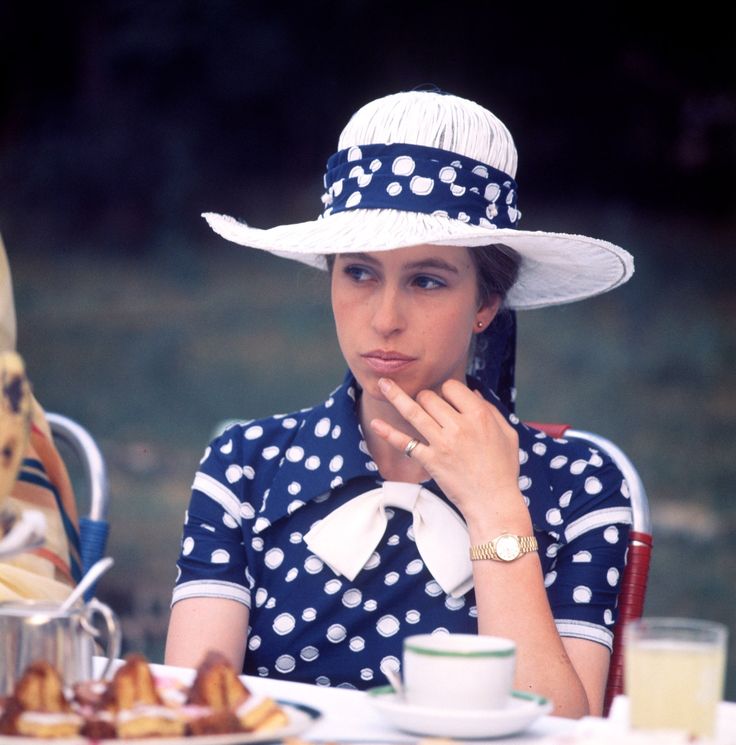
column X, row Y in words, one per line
column 212, row 562
column 584, row 580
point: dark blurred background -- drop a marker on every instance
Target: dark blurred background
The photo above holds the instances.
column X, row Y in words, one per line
column 122, row 120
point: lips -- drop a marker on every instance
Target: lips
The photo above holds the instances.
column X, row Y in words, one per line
column 387, row 361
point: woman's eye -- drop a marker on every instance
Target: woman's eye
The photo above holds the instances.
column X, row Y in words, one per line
column 428, row 283
column 357, row 273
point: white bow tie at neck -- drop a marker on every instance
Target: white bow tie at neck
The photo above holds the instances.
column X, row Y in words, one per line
column 347, row 537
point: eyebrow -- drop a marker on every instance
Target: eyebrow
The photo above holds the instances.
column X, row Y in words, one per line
column 429, row 263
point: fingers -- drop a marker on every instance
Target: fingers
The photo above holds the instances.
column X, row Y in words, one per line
column 442, row 408
column 436, row 406
column 432, row 413
column 469, row 401
column 461, row 397
column 413, row 412
column 395, row 437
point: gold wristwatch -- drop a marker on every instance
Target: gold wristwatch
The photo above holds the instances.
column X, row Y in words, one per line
column 505, row 547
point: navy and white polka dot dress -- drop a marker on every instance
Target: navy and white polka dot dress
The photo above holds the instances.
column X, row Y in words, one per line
column 260, row 487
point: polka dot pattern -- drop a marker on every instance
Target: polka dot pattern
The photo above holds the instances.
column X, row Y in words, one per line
column 284, row 624
column 285, row 663
column 265, row 483
column 336, row 633
column 420, row 179
column 332, row 586
column 273, row 558
column 295, row 453
column 309, row 653
column 388, row 625
column 357, row 644
column 352, row 598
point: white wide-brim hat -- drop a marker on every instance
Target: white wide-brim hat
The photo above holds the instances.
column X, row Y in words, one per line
column 423, row 167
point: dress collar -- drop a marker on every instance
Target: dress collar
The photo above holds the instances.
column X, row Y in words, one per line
column 328, row 451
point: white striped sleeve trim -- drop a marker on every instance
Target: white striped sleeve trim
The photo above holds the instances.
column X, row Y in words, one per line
column 585, row 630
column 211, row 589
column 219, row 493
column 597, row 519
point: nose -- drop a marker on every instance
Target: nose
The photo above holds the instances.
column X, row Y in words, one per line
column 388, row 315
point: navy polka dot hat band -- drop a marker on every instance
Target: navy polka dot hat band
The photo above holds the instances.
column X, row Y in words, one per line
column 422, row 167
column 415, row 178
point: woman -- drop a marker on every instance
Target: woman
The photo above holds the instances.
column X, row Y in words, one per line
column 316, row 541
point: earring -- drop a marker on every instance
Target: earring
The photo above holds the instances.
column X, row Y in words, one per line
column 479, row 324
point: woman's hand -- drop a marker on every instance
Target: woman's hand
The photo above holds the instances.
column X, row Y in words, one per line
column 467, row 447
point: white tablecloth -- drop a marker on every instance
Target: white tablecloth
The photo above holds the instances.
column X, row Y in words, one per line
column 348, row 715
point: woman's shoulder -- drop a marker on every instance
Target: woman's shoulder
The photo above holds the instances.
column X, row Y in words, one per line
column 564, row 453
column 237, row 438
column 269, row 438
column 245, row 456
column 581, row 474
column 579, row 492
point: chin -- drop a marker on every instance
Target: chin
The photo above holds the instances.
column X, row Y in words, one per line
column 368, row 381
column 369, row 384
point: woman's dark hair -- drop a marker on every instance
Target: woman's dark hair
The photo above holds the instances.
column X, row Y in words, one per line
column 496, row 266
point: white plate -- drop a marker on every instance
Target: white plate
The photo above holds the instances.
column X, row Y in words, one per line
column 521, row 710
column 300, row 718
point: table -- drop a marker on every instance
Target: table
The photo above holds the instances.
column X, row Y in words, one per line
column 347, row 715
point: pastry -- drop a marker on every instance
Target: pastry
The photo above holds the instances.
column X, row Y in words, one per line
column 202, row 720
column 261, row 714
column 218, row 688
column 38, row 707
column 216, row 685
column 214, row 697
column 136, row 706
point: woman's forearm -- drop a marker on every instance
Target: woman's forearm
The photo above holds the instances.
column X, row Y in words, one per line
column 512, row 602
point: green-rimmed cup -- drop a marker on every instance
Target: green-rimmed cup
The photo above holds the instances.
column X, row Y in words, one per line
column 458, row 671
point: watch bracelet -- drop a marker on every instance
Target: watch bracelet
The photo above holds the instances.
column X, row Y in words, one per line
column 485, row 551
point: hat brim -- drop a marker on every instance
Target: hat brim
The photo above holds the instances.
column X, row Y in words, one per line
column 556, row 268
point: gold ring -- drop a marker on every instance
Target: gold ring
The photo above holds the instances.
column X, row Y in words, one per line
column 409, row 449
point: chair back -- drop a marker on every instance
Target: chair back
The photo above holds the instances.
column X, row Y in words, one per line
column 634, row 582
column 93, row 526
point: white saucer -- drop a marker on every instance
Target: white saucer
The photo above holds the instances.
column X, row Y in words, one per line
column 521, row 710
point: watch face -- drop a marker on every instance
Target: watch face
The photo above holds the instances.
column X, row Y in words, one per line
column 507, row 547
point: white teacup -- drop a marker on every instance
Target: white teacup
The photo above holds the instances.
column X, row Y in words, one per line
column 458, row 671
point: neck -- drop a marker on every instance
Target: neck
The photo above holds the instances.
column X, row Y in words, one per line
column 392, row 463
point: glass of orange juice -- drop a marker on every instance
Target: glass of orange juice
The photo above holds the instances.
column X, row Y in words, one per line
column 674, row 673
